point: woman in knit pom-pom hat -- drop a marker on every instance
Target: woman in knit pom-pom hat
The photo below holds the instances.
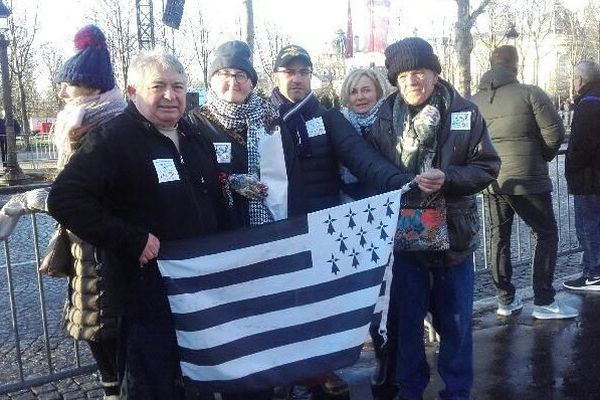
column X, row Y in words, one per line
column 439, row 138
column 87, row 85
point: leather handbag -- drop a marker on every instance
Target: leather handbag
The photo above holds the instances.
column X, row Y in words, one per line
column 58, row 261
column 422, row 224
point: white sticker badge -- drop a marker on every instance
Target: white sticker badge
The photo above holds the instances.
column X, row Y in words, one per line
column 165, row 170
column 223, row 151
column 460, row 121
column 315, row 127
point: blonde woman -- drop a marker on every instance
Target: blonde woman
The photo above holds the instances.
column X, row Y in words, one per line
column 362, row 93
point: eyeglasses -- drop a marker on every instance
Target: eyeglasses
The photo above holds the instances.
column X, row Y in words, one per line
column 304, row 72
column 239, row 77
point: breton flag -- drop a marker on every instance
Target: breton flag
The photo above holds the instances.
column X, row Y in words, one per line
column 281, row 302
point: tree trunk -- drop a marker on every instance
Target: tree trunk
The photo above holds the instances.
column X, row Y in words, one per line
column 464, row 42
column 249, row 24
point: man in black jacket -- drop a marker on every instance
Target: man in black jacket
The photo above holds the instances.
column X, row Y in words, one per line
column 527, row 132
column 140, row 179
column 324, row 138
column 582, row 170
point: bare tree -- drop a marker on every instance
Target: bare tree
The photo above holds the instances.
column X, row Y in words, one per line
column 464, row 41
column 196, row 29
column 52, row 60
column 535, row 18
column 116, row 19
column 249, row 23
column 23, row 28
column 268, row 44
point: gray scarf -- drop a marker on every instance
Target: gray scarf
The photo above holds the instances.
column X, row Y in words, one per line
column 417, row 130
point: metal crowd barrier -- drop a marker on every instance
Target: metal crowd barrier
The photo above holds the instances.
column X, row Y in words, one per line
column 35, row 350
column 36, row 151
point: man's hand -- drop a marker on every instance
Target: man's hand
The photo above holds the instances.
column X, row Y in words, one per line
column 151, row 250
column 430, row 181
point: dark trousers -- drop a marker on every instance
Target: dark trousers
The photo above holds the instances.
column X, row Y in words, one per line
column 105, row 354
column 537, row 212
column 448, row 294
column 149, row 361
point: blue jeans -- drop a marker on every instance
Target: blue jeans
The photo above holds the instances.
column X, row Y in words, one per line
column 448, row 294
column 587, row 225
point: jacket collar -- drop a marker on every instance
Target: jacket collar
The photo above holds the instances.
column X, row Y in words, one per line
column 586, row 89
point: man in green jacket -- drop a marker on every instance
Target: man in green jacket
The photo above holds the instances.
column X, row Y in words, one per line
column 527, row 133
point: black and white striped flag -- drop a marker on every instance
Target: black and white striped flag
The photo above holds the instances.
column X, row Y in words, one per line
column 281, row 302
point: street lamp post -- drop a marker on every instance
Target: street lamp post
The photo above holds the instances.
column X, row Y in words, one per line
column 12, row 171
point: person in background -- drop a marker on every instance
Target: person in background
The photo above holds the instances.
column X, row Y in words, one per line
column 323, row 139
column 441, row 141
column 582, row 170
column 361, row 95
column 142, row 178
column 234, row 118
column 527, row 132
column 88, row 88
column 17, row 129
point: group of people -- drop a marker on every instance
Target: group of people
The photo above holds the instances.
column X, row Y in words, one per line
column 136, row 174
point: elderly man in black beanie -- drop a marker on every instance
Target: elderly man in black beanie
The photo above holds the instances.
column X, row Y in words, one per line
column 439, row 138
column 527, row 133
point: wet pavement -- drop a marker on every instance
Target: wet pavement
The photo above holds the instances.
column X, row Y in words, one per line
column 519, row 358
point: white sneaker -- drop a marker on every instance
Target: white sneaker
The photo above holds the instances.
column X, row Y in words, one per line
column 506, row 310
column 556, row 310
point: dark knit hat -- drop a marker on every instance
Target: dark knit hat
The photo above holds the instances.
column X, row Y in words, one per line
column 234, row 54
column 408, row 54
column 505, row 55
column 91, row 65
column 291, row 53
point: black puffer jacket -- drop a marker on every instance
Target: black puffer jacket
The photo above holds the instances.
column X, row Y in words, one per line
column 582, row 168
column 121, row 185
column 470, row 163
column 525, row 128
column 321, row 183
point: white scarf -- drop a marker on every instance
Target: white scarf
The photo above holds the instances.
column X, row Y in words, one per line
column 81, row 115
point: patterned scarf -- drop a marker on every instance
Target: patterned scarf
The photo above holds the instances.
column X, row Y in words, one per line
column 254, row 115
column 360, row 121
column 295, row 116
column 417, row 129
column 80, row 116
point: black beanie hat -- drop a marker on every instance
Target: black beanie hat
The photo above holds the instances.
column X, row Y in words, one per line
column 408, row 54
column 91, row 65
column 233, row 54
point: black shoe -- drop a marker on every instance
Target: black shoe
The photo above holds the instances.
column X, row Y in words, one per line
column 583, row 284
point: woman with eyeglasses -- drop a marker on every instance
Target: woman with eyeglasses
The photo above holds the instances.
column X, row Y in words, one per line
column 239, row 122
